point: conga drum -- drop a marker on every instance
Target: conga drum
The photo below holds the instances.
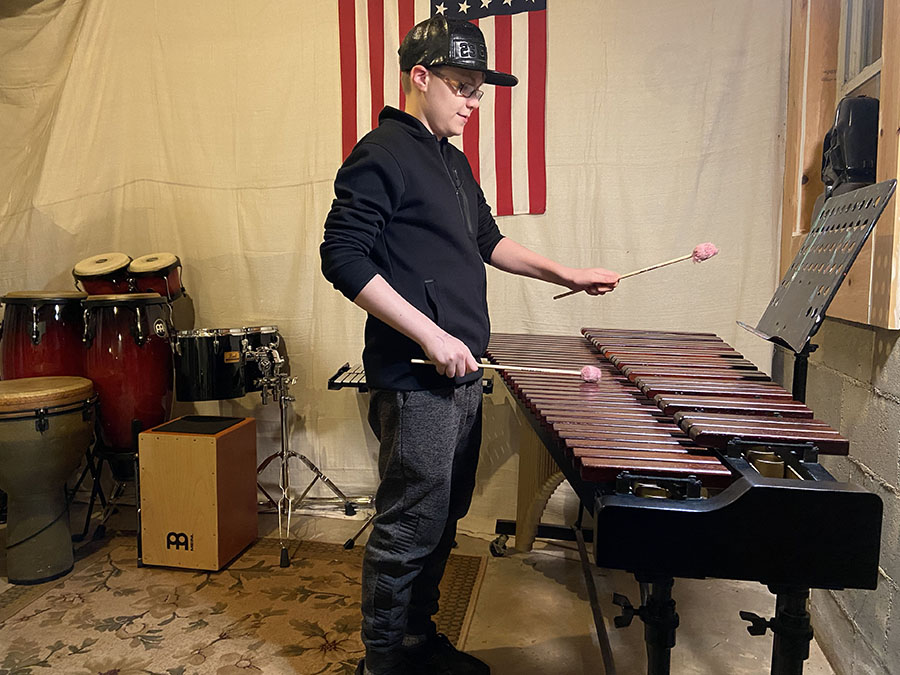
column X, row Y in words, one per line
column 46, row 426
column 102, row 274
column 256, row 337
column 41, row 334
column 129, row 358
column 157, row 273
column 209, row 364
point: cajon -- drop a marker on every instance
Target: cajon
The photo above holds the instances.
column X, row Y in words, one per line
column 198, row 491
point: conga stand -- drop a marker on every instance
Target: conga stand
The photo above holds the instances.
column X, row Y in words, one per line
column 276, row 384
column 793, row 317
column 117, row 460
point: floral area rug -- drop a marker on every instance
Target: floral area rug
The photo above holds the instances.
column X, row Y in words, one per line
column 109, row 617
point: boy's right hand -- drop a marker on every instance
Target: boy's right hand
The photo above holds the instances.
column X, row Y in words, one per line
column 451, row 357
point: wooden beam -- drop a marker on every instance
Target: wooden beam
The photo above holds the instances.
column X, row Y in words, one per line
column 811, row 97
column 885, row 300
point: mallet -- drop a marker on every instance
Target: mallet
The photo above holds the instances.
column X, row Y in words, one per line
column 588, row 373
column 700, row 253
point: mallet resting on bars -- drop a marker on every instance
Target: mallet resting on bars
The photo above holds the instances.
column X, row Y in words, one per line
column 588, row 373
column 700, row 253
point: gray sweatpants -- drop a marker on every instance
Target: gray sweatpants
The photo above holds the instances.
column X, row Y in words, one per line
column 427, row 460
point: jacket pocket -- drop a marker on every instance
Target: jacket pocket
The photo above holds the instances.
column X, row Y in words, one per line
column 434, row 301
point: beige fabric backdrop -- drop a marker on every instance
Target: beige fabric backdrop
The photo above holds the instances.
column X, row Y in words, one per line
column 211, row 129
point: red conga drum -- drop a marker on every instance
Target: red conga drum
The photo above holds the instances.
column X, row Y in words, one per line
column 104, row 273
column 41, row 334
column 129, row 358
column 157, row 273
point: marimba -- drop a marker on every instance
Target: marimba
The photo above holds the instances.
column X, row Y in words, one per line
column 695, row 464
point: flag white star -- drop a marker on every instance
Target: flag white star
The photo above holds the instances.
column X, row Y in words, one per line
column 440, row 9
column 507, row 2
column 485, row 3
column 464, row 6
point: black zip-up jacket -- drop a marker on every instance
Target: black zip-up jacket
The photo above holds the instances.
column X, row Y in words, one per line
column 407, row 207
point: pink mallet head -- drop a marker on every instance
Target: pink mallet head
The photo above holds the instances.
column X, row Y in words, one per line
column 591, row 374
column 703, row 252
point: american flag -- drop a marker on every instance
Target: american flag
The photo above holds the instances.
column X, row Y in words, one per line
column 504, row 139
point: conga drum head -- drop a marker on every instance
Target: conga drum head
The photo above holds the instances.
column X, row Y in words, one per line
column 104, row 273
column 153, row 262
column 33, row 393
column 99, row 265
column 41, row 336
column 39, row 298
column 46, row 426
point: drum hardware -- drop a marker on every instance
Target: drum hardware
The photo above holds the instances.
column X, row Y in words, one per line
column 35, row 335
column 275, row 384
column 123, row 468
column 96, row 489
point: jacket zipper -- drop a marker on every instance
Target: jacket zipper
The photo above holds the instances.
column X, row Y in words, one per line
column 461, row 199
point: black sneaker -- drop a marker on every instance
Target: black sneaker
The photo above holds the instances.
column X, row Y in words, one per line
column 438, row 656
column 401, row 669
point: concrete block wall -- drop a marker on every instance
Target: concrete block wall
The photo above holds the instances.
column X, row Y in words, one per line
column 854, row 385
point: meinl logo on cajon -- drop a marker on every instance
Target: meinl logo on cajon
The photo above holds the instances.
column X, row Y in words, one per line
column 179, row 540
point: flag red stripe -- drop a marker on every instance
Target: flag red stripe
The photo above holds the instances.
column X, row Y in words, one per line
column 407, row 11
column 376, row 56
column 470, row 140
column 347, row 26
column 503, row 117
column 537, row 102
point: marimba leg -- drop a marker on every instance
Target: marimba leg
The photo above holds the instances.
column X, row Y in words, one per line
column 657, row 611
column 660, row 621
column 792, row 630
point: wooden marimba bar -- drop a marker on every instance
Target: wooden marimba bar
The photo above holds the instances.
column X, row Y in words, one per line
column 685, row 417
column 714, row 394
column 599, row 429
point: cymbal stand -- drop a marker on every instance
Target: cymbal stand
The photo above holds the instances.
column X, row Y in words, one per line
column 276, row 384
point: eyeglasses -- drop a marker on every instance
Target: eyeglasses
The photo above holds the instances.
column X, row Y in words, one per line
column 463, row 89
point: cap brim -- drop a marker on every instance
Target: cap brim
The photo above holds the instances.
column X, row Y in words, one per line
column 500, row 79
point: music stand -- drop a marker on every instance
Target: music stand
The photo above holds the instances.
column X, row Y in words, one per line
column 798, row 307
column 793, row 316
